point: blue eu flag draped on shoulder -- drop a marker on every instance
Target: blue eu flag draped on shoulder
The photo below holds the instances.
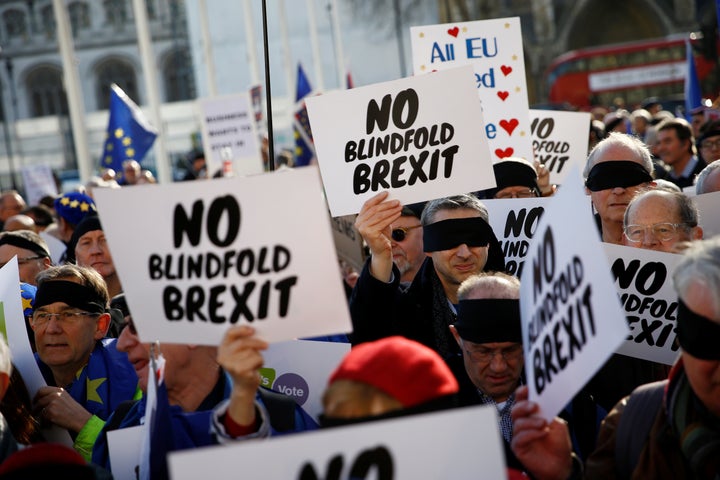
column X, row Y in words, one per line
column 129, row 135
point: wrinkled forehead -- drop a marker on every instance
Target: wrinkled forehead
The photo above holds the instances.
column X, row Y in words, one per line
column 654, row 207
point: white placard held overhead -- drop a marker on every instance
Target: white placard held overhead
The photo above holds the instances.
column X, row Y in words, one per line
column 514, row 222
column 197, row 257
column 494, row 48
column 348, row 241
column 229, row 133
column 560, row 140
column 459, row 443
column 643, row 279
column 571, row 317
column 39, row 182
column 300, row 369
column 419, row 137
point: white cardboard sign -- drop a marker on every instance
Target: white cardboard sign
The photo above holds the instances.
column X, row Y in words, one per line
column 571, row 317
column 461, row 443
column 194, row 260
column 300, row 369
column 560, row 140
column 708, row 205
column 228, row 122
column 420, row 137
column 494, row 48
column 38, row 181
column 348, row 241
column 643, row 279
column 124, row 449
column 514, row 221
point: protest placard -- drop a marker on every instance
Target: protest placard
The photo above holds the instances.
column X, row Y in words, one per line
column 300, row 369
column 494, row 48
column 12, row 326
column 420, row 137
column 39, row 182
column 643, row 279
column 229, row 133
column 432, row 446
column 514, row 222
column 348, row 242
column 235, row 251
column 571, row 316
column 124, row 450
column 560, row 140
column 707, row 205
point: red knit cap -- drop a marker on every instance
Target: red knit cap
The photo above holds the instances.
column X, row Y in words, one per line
column 404, row 369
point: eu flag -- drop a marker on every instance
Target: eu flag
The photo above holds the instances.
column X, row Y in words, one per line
column 693, row 93
column 304, row 146
column 129, row 135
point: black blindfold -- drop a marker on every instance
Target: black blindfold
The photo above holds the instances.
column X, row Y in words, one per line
column 448, row 234
column 489, row 320
column 698, row 336
column 620, row 173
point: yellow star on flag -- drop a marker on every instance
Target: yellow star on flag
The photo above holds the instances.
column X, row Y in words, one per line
column 108, row 160
column 64, row 202
column 119, row 133
column 26, row 303
column 109, row 147
column 74, row 204
column 126, row 141
column 92, row 386
column 84, row 207
column 129, row 152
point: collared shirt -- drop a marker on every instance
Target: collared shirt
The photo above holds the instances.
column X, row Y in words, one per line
column 504, row 419
column 688, row 170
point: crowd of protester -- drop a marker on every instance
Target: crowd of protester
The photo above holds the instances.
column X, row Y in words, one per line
column 436, row 325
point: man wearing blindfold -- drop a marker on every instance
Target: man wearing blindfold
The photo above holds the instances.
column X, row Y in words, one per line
column 616, row 169
column 458, row 243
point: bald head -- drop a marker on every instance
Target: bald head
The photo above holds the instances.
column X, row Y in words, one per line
column 19, row 222
column 11, row 203
column 490, row 285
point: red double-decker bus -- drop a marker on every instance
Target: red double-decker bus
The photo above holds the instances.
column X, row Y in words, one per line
column 632, row 71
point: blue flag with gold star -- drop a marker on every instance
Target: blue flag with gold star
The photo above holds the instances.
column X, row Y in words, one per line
column 129, row 135
column 302, row 133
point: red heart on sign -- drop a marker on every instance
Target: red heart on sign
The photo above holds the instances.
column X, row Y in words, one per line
column 454, row 31
column 509, row 125
column 504, row 153
column 503, row 95
column 506, row 70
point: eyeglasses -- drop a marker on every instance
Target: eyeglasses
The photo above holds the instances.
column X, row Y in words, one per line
column 23, row 261
column 41, row 319
column 661, row 231
column 710, row 144
column 485, row 355
column 399, row 233
column 529, row 193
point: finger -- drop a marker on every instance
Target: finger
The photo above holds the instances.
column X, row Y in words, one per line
column 521, row 393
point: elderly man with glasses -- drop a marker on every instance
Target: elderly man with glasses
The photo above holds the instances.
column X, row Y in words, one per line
column 489, row 333
column 87, row 376
column 661, row 220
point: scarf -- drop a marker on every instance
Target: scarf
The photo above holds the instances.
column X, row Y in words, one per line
column 442, row 318
column 696, row 428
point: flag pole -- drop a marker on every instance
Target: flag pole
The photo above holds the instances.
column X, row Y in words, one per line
column 164, row 174
column 317, row 59
column 268, row 94
column 207, row 48
column 72, row 87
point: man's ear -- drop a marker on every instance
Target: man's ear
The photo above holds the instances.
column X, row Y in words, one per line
column 455, row 334
column 696, row 233
column 103, row 324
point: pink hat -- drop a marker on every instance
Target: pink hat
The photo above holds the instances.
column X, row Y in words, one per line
column 404, row 369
